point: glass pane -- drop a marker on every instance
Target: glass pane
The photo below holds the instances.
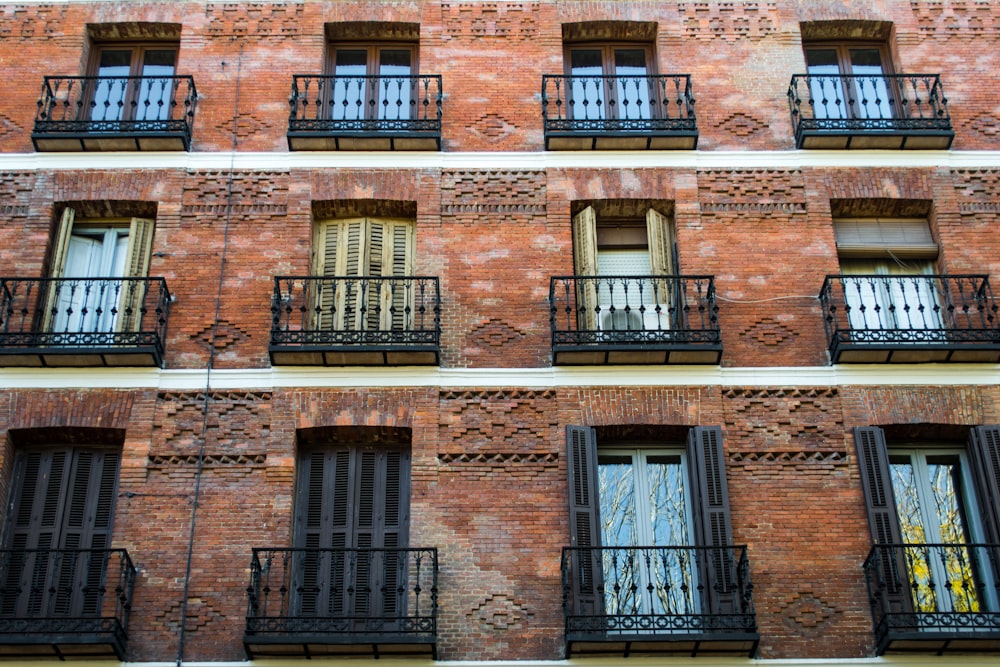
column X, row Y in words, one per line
column 110, row 88
column 616, row 486
column 631, row 85
column 396, row 86
column 825, row 84
column 928, row 504
column 667, row 508
column 872, row 98
column 349, row 89
column 156, row 87
column 587, row 85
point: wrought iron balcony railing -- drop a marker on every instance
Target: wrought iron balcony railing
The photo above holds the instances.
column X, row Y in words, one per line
column 83, row 321
column 910, row 318
column 65, row 602
column 667, row 599
column 337, row 321
column 937, row 597
column 618, row 112
column 326, row 601
column 365, row 112
column 104, row 113
column 869, row 111
column 634, row 319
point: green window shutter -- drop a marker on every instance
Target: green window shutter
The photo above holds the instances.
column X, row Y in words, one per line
column 984, row 451
column 584, row 519
column 712, row 522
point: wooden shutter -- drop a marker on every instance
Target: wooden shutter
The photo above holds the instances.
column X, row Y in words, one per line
column 351, row 498
column 984, row 451
column 584, row 520
column 712, row 524
column 60, row 249
column 137, row 258
column 62, row 499
column 876, row 483
column 396, row 297
column 660, row 238
column 585, row 264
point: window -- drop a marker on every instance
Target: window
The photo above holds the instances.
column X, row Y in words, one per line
column 374, row 81
column 936, row 503
column 351, row 523
column 62, row 499
column 134, row 82
column 624, row 254
column 888, row 268
column 610, row 81
column 90, row 259
column 654, row 517
column 847, row 80
column 373, row 252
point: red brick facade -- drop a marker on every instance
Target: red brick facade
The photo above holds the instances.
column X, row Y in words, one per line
column 488, row 477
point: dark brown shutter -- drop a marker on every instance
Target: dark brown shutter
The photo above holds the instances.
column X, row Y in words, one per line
column 351, row 498
column 584, row 520
column 876, row 483
column 712, row 524
column 63, row 499
column 984, row 450
column 873, row 462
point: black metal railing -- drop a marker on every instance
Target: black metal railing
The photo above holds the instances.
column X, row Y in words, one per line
column 672, row 592
column 610, row 104
column 157, row 105
column 343, row 595
column 53, row 596
column 878, row 102
column 366, row 105
column 633, row 310
column 934, row 588
column 83, row 312
column 366, row 310
column 909, row 309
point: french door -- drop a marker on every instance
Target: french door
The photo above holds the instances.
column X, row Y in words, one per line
column 117, row 97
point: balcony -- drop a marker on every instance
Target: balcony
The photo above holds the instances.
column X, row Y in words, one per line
column 618, row 112
column 642, row 600
column 365, row 113
column 65, row 603
column 356, row 321
column 878, row 319
column 890, row 111
column 935, row 598
column 121, row 113
column 323, row 602
column 634, row 320
column 83, row 321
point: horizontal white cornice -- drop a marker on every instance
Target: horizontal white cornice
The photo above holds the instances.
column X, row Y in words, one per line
column 502, row 160
column 605, row 376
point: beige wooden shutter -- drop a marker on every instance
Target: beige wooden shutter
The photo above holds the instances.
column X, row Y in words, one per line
column 660, row 241
column 585, row 264
column 134, row 293
column 60, row 248
column 337, row 251
column 396, row 298
column 907, row 238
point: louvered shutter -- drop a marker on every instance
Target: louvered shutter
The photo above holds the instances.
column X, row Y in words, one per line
column 60, row 249
column 984, row 451
column 137, row 258
column 396, row 296
column 585, row 264
column 584, row 520
column 876, row 483
column 63, row 500
column 663, row 293
column 351, row 498
column 712, row 524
